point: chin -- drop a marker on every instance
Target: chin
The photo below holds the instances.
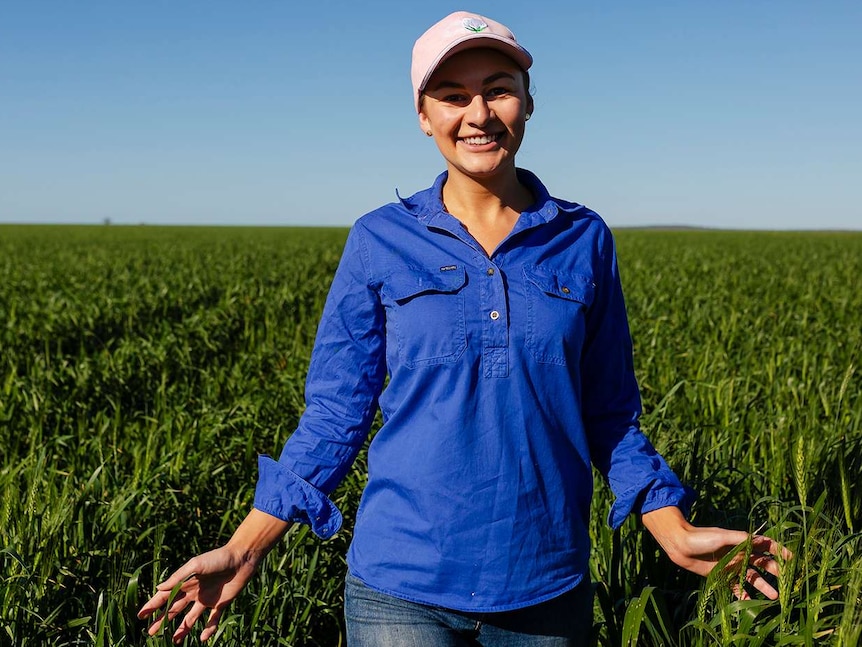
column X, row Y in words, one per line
column 485, row 173
column 484, row 170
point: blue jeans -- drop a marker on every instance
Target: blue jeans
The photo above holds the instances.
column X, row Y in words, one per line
column 378, row 620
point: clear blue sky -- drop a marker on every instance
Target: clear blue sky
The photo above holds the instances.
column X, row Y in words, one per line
column 737, row 114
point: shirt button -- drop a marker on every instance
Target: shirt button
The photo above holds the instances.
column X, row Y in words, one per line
column 495, row 315
column 490, row 271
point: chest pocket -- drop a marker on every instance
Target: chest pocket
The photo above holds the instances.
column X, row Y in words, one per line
column 557, row 303
column 425, row 315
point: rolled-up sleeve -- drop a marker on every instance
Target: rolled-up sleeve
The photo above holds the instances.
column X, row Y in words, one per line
column 637, row 474
column 345, row 377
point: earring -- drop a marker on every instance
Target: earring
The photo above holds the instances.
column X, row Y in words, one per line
column 428, row 132
column 527, row 116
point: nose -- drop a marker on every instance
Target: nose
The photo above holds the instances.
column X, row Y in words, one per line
column 479, row 112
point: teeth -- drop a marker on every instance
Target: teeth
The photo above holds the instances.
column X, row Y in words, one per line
column 477, row 141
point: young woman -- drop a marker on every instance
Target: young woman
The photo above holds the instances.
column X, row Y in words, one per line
column 496, row 312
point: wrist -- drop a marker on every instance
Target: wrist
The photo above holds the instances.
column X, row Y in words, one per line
column 665, row 519
column 256, row 536
column 669, row 527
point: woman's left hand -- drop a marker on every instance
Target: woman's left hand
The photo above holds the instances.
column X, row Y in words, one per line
column 700, row 549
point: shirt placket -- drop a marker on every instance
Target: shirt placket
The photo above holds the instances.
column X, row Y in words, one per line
column 494, row 301
column 495, row 321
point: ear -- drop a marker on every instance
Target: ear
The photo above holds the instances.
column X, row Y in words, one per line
column 424, row 123
column 531, row 107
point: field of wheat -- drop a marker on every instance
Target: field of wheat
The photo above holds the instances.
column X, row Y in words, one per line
column 142, row 369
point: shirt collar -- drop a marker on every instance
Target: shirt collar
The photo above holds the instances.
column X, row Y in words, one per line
column 428, row 204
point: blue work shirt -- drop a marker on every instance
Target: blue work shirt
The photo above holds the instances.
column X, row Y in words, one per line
column 508, row 376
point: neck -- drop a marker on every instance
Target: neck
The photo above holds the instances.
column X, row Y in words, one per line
column 485, row 199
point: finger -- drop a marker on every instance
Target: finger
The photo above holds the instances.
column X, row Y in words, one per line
column 737, row 562
column 766, row 563
column 739, row 592
column 163, row 590
column 756, row 580
column 742, row 580
column 212, row 624
column 188, row 622
column 763, row 544
column 752, row 582
column 762, row 552
column 183, row 573
column 177, row 607
column 155, row 602
column 156, row 626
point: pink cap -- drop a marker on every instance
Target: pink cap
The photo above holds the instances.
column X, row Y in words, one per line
column 455, row 33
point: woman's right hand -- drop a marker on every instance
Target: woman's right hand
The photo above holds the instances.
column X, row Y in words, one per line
column 209, row 581
column 212, row 580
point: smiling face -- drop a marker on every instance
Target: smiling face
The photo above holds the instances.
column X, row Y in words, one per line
column 475, row 106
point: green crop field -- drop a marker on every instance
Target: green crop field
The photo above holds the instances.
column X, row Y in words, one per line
column 142, row 369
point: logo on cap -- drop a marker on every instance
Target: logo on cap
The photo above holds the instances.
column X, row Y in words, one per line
column 474, row 24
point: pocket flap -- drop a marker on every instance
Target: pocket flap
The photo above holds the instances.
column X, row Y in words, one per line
column 410, row 283
column 571, row 287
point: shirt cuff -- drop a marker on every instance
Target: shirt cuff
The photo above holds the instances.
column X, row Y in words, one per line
column 284, row 494
column 662, row 490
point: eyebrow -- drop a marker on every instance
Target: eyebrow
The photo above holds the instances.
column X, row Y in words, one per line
column 490, row 79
